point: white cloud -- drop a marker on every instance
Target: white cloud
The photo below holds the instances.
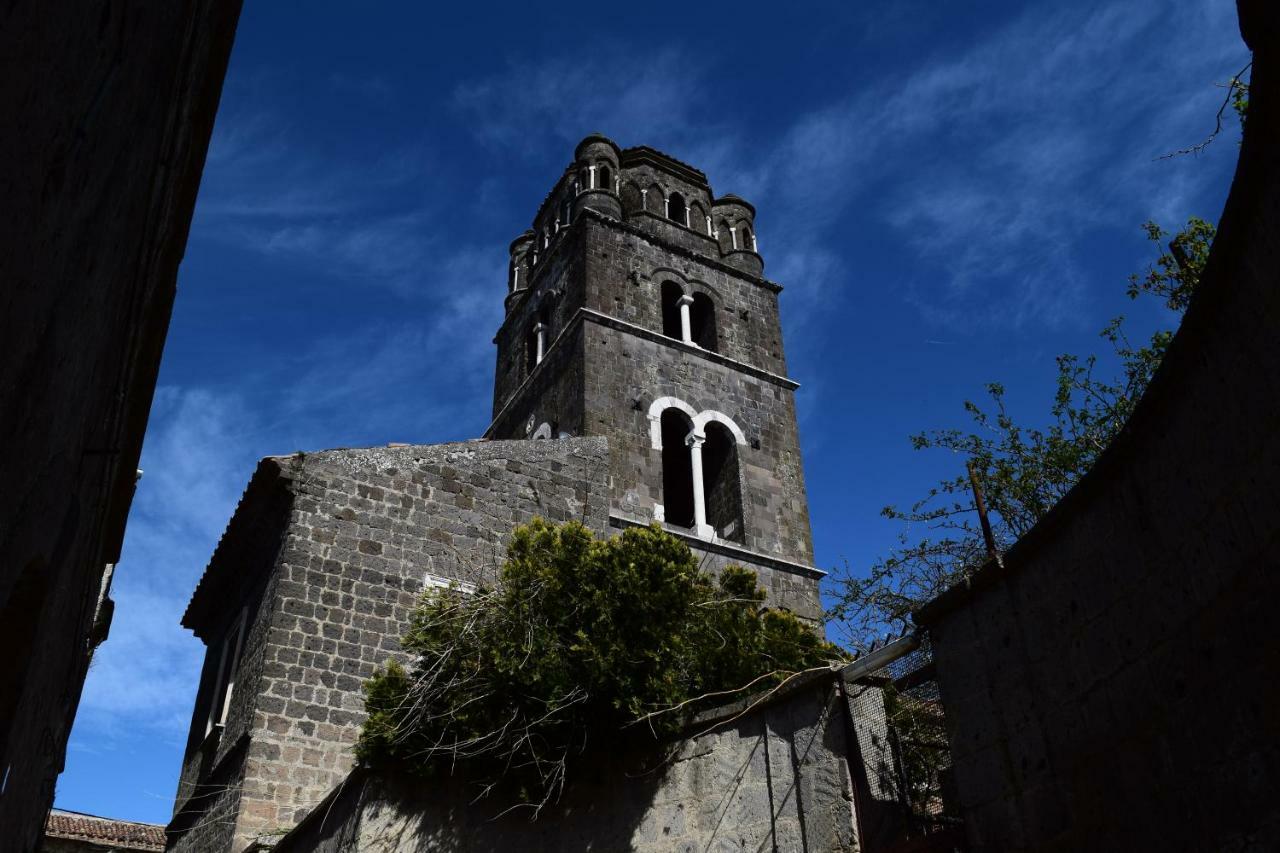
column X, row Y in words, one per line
column 194, row 461
column 991, row 163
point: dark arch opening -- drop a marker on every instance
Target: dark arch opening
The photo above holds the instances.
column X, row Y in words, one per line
column 744, row 237
column 721, row 483
column 698, row 218
column 604, row 178
column 702, row 322
column 671, row 326
column 725, row 236
column 677, row 469
column 653, row 200
column 630, row 199
column 676, row 208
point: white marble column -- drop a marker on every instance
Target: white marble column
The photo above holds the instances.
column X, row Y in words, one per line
column 686, row 324
column 700, row 526
column 540, row 334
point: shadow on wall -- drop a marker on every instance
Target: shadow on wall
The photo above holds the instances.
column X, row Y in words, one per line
column 1113, row 684
column 773, row 778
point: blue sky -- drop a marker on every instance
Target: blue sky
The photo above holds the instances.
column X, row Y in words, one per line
column 949, row 192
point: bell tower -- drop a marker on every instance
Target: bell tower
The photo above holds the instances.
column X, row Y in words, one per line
column 637, row 309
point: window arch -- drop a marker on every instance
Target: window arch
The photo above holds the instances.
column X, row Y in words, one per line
column 537, row 339
column 677, row 469
column 604, row 177
column 672, row 323
column 725, row 236
column 701, row 479
column 677, row 210
column 702, row 322
column 744, row 237
column 631, row 202
column 542, row 432
column 698, row 220
column 722, row 485
column 655, row 200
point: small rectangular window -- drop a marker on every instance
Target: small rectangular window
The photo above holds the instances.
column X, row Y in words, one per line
column 228, row 662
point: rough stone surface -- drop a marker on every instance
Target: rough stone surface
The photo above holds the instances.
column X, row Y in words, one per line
column 331, row 550
column 108, row 109
column 776, row 778
column 1115, row 687
column 327, row 553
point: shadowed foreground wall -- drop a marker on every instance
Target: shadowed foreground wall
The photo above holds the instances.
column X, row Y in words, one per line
column 107, row 109
column 774, row 778
column 1114, row 686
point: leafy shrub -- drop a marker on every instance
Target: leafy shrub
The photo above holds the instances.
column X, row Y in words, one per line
column 580, row 640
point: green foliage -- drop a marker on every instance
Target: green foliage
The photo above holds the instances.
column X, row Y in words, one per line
column 1023, row 470
column 580, row 639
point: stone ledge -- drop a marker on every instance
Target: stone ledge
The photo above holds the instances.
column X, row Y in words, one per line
column 693, row 349
column 720, row 546
column 594, row 316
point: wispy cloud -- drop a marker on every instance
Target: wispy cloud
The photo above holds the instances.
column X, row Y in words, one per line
column 994, row 161
column 194, row 464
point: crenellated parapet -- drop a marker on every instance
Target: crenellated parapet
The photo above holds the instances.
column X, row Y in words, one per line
column 647, row 189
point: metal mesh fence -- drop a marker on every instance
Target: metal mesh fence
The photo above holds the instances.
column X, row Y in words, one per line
column 905, row 796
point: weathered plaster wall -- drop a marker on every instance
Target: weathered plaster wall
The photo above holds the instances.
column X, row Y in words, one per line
column 108, row 109
column 363, row 530
column 1114, row 687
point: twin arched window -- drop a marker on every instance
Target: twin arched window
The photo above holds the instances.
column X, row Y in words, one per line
column 691, row 319
column 537, row 339
column 677, row 210
column 701, row 480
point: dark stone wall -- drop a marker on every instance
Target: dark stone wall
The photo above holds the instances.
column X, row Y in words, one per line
column 109, row 109
column 364, row 528
column 625, row 269
column 1114, row 687
column 776, row 778
column 621, row 365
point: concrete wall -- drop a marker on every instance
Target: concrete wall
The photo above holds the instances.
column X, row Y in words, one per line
column 776, row 778
column 109, row 108
column 1114, row 687
column 345, row 565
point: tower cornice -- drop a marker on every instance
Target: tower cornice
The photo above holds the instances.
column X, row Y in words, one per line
column 588, row 315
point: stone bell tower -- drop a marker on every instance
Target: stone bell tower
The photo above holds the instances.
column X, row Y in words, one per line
column 637, row 310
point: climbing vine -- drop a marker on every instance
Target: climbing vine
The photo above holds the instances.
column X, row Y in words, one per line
column 580, row 644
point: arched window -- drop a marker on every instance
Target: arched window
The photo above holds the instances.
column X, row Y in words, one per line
column 604, row 178
column 677, row 210
column 725, row 236
column 677, row 469
column 744, row 237
column 672, row 325
column 698, row 220
column 537, row 339
column 721, row 484
column 631, row 202
column 654, row 200
column 566, row 212
column 702, row 322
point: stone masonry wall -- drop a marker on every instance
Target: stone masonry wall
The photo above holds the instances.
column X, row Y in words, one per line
column 625, row 269
column 774, row 779
column 367, row 527
column 621, row 366
column 1114, row 686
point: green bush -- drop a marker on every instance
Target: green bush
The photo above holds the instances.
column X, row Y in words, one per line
column 580, row 640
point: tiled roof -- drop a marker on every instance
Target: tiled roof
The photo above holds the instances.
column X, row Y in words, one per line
column 125, row 834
